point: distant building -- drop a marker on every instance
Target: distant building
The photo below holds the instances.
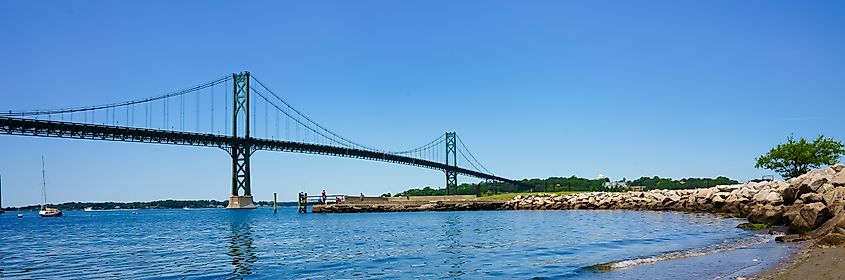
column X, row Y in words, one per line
column 618, row 185
column 636, row 188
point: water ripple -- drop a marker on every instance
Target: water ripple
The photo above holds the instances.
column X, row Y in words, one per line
column 215, row 244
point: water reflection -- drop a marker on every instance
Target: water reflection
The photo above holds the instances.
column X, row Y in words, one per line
column 241, row 246
column 452, row 231
column 216, row 244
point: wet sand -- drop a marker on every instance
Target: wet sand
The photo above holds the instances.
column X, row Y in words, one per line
column 733, row 263
column 810, row 263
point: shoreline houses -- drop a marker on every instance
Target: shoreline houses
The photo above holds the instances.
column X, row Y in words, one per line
column 622, row 185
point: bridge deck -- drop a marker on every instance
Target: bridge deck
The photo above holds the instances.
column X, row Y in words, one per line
column 61, row 129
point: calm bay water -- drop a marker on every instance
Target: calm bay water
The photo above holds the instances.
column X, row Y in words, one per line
column 217, row 243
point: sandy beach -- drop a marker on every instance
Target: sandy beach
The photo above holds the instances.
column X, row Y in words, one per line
column 810, row 262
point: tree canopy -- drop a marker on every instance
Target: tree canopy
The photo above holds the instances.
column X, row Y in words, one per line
column 560, row 184
column 794, row 158
column 655, row 182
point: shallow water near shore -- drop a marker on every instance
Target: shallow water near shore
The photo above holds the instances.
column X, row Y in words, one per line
column 218, row 243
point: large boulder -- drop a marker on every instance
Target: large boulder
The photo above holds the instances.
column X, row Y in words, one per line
column 674, row 197
column 658, row 197
column 718, row 200
column 835, row 196
column 818, row 182
column 746, row 193
column 427, row 207
column 774, row 198
column 767, row 214
column 704, row 194
column 793, row 212
column 808, row 198
column 811, row 216
column 838, row 179
column 760, row 197
column 818, row 177
column 831, row 240
column 837, row 167
column 790, row 194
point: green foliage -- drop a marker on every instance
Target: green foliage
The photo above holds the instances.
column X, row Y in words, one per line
column 427, row 191
column 569, row 184
column 794, row 158
column 161, row 204
column 687, row 183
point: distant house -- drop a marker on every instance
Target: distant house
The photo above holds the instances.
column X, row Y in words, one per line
column 618, row 185
column 637, row 188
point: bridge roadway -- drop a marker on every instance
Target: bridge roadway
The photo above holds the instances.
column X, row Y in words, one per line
column 60, row 129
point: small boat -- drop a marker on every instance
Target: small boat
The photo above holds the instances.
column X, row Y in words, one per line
column 50, row 212
column 20, row 215
column 45, row 211
column 88, row 209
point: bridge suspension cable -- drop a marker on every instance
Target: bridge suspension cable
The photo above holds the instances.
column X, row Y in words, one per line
column 113, row 105
column 169, row 122
column 175, row 111
column 323, row 131
column 471, row 156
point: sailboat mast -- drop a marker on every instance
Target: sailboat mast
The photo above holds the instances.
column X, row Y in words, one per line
column 43, row 183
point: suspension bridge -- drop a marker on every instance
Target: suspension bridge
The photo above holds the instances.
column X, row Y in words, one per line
column 239, row 114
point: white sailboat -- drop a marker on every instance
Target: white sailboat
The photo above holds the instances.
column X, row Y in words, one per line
column 46, row 212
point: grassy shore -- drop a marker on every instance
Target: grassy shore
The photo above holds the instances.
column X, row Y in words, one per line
column 509, row 196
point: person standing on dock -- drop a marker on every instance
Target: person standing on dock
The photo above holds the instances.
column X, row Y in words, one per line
column 323, row 195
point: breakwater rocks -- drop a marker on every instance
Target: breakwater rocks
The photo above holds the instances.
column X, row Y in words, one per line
column 811, row 205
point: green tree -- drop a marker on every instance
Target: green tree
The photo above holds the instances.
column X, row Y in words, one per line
column 794, row 158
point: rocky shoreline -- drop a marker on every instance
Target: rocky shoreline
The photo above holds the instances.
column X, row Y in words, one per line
column 811, row 206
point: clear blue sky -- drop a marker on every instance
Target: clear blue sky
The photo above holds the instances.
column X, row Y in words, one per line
column 536, row 88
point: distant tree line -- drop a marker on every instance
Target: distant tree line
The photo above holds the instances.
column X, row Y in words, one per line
column 562, row 184
column 687, row 183
column 159, row 204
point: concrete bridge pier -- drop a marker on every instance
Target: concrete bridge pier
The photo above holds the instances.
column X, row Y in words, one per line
column 241, row 202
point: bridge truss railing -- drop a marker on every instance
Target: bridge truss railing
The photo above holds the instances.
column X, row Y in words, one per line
column 221, row 113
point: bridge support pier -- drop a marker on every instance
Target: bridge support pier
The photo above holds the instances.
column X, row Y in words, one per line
column 241, row 202
column 451, row 161
column 240, row 151
column 240, row 178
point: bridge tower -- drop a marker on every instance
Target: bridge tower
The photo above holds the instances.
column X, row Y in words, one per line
column 452, row 161
column 240, row 150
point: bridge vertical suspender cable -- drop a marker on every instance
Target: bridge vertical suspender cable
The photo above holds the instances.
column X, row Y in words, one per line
column 312, row 132
column 197, row 105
